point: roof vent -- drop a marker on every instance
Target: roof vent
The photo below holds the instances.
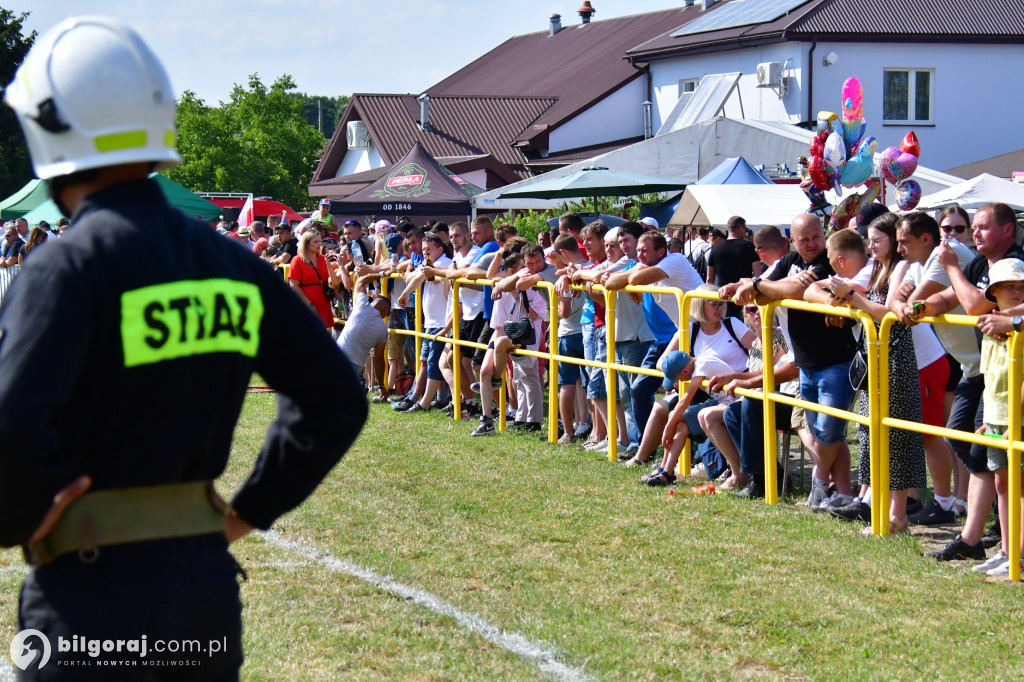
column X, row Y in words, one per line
column 706, row 5
column 586, row 11
column 425, row 112
column 556, row 23
column 688, row 3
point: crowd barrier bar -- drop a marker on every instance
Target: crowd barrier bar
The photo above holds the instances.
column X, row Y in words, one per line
column 1013, row 445
column 771, row 397
column 879, row 422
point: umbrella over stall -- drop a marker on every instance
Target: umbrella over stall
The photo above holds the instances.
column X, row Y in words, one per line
column 594, row 182
column 416, row 185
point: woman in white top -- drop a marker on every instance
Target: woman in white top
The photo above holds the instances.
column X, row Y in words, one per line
column 720, row 347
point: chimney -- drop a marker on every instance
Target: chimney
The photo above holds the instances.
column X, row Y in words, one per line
column 705, row 5
column 586, row 11
column 425, row 112
column 556, row 23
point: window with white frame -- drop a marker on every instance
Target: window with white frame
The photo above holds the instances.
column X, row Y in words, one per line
column 687, row 85
column 907, row 95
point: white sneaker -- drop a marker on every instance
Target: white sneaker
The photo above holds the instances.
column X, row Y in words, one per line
column 699, row 471
column 1000, row 571
column 995, row 561
column 597, row 446
column 817, row 498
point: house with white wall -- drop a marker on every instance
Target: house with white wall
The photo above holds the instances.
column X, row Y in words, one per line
column 947, row 69
column 929, row 66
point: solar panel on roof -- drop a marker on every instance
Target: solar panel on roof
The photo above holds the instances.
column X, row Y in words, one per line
column 739, row 13
column 706, row 102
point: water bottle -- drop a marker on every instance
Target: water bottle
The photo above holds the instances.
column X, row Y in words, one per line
column 357, row 251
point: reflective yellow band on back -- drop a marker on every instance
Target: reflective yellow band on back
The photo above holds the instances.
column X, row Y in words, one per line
column 190, row 317
column 170, row 138
column 115, row 142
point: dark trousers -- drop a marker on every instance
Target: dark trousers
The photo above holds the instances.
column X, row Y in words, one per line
column 745, row 421
column 644, row 387
column 966, row 415
column 168, row 591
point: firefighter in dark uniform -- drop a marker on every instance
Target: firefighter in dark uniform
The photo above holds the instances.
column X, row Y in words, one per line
column 126, row 348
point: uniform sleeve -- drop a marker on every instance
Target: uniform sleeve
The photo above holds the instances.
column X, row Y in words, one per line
column 319, row 413
column 44, row 339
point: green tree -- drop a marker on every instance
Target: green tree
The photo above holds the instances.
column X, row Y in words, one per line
column 323, row 110
column 257, row 142
column 15, row 170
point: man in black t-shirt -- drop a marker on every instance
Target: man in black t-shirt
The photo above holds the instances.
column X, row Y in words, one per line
column 733, row 260
column 823, row 352
column 994, row 231
column 289, row 244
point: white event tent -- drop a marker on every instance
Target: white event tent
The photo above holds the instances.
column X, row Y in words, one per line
column 693, row 152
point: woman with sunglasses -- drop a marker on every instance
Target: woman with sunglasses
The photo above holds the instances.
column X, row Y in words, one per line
column 712, row 419
column 954, row 223
column 717, row 350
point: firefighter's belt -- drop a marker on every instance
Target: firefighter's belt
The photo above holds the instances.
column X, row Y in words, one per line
column 115, row 517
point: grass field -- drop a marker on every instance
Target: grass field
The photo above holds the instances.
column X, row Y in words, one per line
column 621, row 581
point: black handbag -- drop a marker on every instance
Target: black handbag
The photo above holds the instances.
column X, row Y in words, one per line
column 330, row 293
column 521, row 331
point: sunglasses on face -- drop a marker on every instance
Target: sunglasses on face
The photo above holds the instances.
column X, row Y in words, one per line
column 959, row 229
column 752, row 310
column 716, row 304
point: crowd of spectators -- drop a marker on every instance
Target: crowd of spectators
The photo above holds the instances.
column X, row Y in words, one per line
column 911, row 265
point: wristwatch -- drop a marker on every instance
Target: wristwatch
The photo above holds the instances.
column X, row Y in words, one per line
column 755, row 282
column 1018, row 323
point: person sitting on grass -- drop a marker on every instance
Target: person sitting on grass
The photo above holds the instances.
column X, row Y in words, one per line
column 1006, row 289
column 720, row 347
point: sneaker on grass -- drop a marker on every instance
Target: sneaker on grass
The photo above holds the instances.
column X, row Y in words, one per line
column 932, row 515
column 1002, row 570
column 997, row 560
column 956, row 550
column 486, row 427
column 856, row 510
column 818, row 497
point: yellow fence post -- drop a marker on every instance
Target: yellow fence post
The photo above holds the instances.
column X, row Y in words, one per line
column 1013, row 455
column 683, row 301
column 878, row 410
column 456, row 352
column 612, row 376
column 418, row 312
column 553, row 364
column 771, row 445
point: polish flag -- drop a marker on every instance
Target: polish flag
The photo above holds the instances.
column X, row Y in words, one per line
column 247, row 216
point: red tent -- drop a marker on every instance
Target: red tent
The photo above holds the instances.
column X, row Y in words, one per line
column 262, row 207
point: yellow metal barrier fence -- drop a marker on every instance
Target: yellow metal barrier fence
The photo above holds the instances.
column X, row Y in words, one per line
column 879, row 422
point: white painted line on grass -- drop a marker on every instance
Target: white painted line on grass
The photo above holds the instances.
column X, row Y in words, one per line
column 538, row 653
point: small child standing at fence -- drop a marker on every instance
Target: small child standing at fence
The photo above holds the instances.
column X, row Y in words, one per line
column 1006, row 288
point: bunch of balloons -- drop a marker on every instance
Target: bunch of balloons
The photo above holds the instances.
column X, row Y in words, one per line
column 897, row 165
column 841, row 156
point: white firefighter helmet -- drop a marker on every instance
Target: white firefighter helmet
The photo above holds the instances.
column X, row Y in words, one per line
column 90, row 94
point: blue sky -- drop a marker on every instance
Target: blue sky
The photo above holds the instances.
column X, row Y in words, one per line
column 330, row 47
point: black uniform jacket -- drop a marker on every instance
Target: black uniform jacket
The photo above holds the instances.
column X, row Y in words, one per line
column 125, row 350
